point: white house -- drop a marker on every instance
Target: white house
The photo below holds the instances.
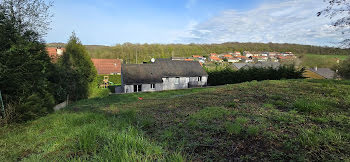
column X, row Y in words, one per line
column 162, row 75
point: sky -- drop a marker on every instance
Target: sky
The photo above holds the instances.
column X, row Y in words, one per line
column 110, row 22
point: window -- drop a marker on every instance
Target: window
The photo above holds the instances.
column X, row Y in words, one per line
column 137, row 88
column 153, row 86
column 177, row 80
column 199, row 79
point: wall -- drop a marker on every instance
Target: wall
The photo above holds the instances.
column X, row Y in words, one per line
column 169, row 84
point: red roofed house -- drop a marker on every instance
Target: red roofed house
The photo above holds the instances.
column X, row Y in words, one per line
column 215, row 59
column 228, row 56
column 55, row 52
column 107, row 66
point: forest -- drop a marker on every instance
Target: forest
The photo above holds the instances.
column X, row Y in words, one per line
column 137, row 53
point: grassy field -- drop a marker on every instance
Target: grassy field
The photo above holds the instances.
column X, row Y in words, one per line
column 304, row 120
column 327, row 61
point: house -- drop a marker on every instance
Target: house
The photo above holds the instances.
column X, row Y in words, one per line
column 55, row 52
column 237, row 53
column 227, row 56
column 260, row 58
column 241, row 57
column 233, row 60
column 320, row 73
column 107, row 66
column 215, row 59
column 238, row 66
column 162, row 75
column 247, row 54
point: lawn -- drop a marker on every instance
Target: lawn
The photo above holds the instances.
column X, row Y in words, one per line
column 324, row 61
column 302, row 120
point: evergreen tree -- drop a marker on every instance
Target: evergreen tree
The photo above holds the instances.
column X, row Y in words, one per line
column 79, row 69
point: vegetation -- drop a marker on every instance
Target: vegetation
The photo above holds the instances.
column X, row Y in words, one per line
column 229, row 76
column 78, row 69
column 145, row 52
column 344, row 69
column 325, row 61
column 25, row 68
column 299, row 120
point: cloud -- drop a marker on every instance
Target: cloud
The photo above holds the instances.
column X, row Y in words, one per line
column 190, row 3
column 289, row 21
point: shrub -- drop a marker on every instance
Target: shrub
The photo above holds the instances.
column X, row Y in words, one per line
column 344, row 69
column 310, row 106
column 229, row 76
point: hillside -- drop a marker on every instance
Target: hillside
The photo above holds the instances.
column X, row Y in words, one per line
column 306, row 120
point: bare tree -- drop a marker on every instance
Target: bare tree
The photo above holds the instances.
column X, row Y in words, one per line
column 28, row 15
column 340, row 11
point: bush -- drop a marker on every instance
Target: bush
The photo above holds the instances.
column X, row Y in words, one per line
column 344, row 69
column 229, row 76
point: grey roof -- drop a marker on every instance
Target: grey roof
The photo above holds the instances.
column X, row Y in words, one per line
column 274, row 65
column 154, row 72
column 325, row 72
column 239, row 65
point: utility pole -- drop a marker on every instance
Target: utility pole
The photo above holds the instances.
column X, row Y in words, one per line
column 2, row 106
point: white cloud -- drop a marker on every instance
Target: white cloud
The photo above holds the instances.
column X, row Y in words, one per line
column 190, row 3
column 289, row 21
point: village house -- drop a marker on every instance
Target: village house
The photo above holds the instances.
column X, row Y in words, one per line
column 55, row 53
column 237, row 53
column 107, row 66
column 162, row 75
column 215, row 59
column 320, row 73
column 247, row 54
column 233, row 60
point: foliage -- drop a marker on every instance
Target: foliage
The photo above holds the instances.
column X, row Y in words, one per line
column 344, row 69
column 24, row 64
column 145, row 52
column 339, row 9
column 229, row 76
column 79, row 70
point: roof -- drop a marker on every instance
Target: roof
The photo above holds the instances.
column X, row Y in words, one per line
column 154, row 72
column 196, row 56
column 274, row 65
column 52, row 52
column 227, row 55
column 107, row 66
column 215, row 58
column 325, row 72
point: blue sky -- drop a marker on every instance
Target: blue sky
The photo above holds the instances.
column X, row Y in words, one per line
column 108, row 22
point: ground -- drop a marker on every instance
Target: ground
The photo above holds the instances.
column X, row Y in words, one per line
column 302, row 120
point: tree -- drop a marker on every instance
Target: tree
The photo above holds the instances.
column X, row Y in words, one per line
column 24, row 63
column 79, row 69
column 339, row 10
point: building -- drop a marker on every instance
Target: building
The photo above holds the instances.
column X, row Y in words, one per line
column 55, row 52
column 320, row 73
column 107, row 66
column 233, row 60
column 237, row 53
column 162, row 75
column 215, row 59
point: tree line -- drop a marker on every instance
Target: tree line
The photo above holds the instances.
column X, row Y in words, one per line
column 137, row 53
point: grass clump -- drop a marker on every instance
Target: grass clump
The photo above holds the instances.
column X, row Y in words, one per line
column 210, row 113
column 310, row 106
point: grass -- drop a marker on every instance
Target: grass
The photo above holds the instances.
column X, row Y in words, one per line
column 288, row 120
column 324, row 61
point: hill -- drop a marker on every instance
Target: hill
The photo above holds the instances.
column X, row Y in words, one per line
column 304, row 120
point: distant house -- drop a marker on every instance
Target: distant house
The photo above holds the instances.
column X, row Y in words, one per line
column 233, row 60
column 215, row 59
column 162, row 75
column 320, row 73
column 247, row 54
column 228, row 56
column 107, row 66
column 237, row 53
column 55, row 52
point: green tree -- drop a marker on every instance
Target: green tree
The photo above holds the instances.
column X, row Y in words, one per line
column 344, row 69
column 79, row 69
column 24, row 63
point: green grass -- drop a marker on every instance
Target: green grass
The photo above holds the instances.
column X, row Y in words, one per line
column 322, row 61
column 288, row 120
